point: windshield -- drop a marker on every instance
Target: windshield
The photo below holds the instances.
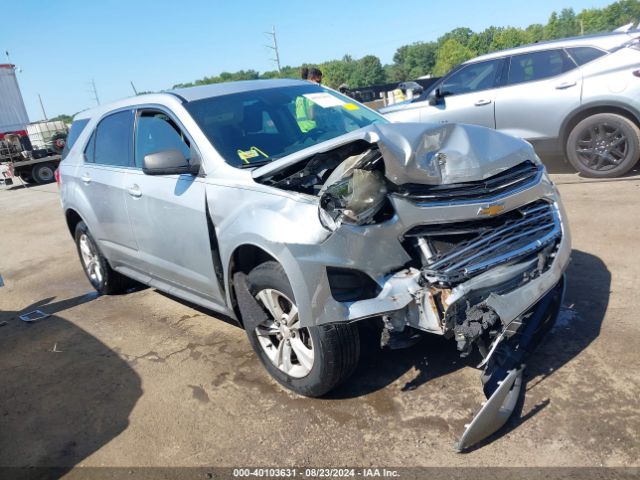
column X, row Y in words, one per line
column 256, row 127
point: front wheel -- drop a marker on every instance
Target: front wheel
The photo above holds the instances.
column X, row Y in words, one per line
column 310, row 361
column 604, row 145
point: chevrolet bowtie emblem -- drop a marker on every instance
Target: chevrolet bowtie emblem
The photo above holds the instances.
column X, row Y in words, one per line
column 491, row 210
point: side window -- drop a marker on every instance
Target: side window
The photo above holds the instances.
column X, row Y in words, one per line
column 113, row 140
column 155, row 132
column 76, row 129
column 90, row 149
column 533, row 66
column 583, row 55
column 472, row 78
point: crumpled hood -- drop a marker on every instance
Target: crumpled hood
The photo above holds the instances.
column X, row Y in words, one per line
column 427, row 153
column 449, row 153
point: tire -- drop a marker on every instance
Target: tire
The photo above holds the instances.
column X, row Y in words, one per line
column 604, row 145
column 43, row 173
column 27, row 178
column 334, row 348
column 58, row 141
column 102, row 277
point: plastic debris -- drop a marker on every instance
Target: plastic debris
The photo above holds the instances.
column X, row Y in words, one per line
column 33, row 316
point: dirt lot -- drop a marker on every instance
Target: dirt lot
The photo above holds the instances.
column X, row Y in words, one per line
column 144, row 380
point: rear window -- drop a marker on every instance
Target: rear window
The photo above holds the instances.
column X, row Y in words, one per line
column 259, row 126
column 76, row 129
column 533, row 66
column 583, row 55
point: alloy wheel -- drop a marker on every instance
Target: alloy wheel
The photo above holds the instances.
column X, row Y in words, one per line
column 288, row 347
column 90, row 260
column 602, row 147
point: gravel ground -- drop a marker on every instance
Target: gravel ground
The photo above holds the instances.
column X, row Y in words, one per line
column 142, row 379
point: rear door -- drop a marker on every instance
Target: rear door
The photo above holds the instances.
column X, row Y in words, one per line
column 468, row 95
column 168, row 212
column 108, row 156
column 542, row 88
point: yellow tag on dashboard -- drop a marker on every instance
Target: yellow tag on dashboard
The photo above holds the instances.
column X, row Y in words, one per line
column 351, row 106
column 253, row 152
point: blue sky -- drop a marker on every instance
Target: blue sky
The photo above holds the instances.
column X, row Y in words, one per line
column 157, row 44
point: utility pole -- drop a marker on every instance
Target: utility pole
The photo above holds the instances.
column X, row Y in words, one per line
column 581, row 27
column 274, row 47
column 134, row 87
column 42, row 107
column 95, row 91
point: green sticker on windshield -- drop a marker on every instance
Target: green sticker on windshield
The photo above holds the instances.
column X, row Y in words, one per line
column 253, row 152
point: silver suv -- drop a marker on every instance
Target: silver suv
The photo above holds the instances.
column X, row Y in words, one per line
column 578, row 96
column 306, row 217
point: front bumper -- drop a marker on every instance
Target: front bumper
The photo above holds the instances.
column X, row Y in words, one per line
column 399, row 291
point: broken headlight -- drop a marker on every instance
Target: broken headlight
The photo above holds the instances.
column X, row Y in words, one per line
column 352, row 194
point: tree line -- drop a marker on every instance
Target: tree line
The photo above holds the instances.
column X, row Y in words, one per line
column 454, row 47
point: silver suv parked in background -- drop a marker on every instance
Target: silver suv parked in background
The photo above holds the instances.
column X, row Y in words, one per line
column 578, row 96
column 304, row 215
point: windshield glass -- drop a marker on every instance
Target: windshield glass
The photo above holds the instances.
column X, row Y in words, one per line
column 259, row 126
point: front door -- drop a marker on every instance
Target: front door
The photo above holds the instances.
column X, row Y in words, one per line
column 168, row 212
column 467, row 95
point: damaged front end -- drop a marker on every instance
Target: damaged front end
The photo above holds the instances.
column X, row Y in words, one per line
column 481, row 228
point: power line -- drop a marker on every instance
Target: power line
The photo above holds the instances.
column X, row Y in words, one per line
column 274, row 47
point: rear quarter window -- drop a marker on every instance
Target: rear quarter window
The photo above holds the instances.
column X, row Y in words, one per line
column 583, row 55
column 76, row 129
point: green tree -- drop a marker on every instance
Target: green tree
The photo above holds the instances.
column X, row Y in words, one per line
column 462, row 35
column 450, row 54
column 415, row 60
column 62, row 118
column 337, row 72
column 508, row 38
column 482, row 42
column 562, row 26
column 534, row 33
column 368, row 71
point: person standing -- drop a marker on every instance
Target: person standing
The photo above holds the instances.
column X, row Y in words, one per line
column 315, row 75
column 305, row 115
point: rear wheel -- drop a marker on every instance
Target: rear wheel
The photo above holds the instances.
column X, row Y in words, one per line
column 103, row 278
column 604, row 145
column 43, row 173
column 310, row 361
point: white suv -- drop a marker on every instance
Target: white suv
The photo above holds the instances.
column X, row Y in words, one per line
column 578, row 96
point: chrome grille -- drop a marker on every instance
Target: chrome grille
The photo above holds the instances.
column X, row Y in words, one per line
column 504, row 183
column 464, row 249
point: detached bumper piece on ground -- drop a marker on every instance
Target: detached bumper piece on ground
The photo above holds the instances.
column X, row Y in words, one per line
column 503, row 374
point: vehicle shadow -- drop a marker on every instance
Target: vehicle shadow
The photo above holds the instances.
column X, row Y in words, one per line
column 64, row 393
column 559, row 164
column 579, row 322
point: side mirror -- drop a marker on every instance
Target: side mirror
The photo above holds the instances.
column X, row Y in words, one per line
column 436, row 97
column 168, row 162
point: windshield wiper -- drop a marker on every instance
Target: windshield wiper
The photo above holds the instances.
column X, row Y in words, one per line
column 255, row 164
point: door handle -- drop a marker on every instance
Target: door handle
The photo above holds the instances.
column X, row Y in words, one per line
column 480, row 103
column 86, row 178
column 564, row 85
column 134, row 191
